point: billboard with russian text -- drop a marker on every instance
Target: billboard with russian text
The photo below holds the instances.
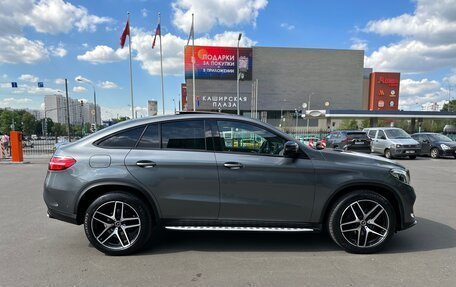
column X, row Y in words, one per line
column 218, row 63
column 384, row 91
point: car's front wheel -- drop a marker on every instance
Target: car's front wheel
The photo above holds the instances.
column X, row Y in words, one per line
column 361, row 221
column 118, row 223
column 388, row 154
column 434, row 152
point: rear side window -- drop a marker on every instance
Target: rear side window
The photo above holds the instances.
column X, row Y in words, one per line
column 124, row 139
column 372, row 134
column 357, row 135
column 183, row 135
column 150, row 138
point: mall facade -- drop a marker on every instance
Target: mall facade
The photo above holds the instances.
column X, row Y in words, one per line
column 276, row 82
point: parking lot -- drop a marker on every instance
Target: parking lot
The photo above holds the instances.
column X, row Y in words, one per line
column 37, row 251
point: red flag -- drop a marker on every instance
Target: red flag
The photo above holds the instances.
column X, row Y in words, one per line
column 157, row 32
column 125, row 33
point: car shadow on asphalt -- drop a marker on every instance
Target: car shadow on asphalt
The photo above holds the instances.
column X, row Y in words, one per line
column 427, row 235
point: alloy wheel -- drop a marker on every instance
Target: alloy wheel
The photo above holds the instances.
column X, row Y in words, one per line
column 434, row 153
column 364, row 223
column 116, row 225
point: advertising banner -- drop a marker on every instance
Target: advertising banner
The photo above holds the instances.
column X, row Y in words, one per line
column 384, row 91
column 218, row 63
column 151, row 108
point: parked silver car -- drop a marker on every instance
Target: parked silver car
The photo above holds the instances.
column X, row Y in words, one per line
column 207, row 171
column 393, row 142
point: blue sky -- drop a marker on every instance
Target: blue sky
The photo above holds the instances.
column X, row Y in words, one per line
column 50, row 40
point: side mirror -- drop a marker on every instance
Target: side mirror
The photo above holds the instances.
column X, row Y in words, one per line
column 291, row 149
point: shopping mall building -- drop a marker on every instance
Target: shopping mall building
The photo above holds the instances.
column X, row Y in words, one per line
column 276, row 82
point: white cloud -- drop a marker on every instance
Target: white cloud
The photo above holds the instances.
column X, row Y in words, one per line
column 410, row 56
column 287, row 26
column 409, row 87
column 85, row 45
column 57, row 16
column 79, row 89
column 427, row 39
column 210, row 13
column 104, row 54
column 144, row 12
column 108, row 85
column 58, row 51
column 359, row 44
column 82, row 79
column 4, row 76
column 10, row 102
column 60, row 81
column 18, row 49
column 416, row 93
column 28, row 78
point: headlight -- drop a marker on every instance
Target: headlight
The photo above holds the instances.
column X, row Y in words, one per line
column 398, row 146
column 445, row 147
column 401, row 175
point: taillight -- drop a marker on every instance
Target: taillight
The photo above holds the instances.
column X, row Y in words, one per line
column 61, row 162
column 344, row 139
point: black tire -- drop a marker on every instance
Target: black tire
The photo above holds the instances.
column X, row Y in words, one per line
column 118, row 236
column 434, row 152
column 412, row 156
column 352, row 240
column 388, row 154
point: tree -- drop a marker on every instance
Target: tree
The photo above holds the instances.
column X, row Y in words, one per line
column 449, row 107
column 28, row 123
column 349, row 124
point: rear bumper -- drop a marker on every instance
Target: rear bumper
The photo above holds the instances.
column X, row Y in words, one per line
column 70, row 218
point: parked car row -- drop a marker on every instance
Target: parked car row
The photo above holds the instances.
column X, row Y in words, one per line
column 388, row 141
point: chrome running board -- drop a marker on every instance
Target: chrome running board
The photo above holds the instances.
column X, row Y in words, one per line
column 230, row 228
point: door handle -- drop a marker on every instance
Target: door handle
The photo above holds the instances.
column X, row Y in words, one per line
column 146, row 163
column 233, row 165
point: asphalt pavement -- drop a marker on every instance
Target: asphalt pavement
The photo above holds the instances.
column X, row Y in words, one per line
column 37, row 251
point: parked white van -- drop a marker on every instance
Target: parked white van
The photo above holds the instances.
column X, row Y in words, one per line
column 393, row 142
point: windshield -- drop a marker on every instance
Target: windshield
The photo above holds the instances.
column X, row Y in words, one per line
column 397, row 134
column 441, row 138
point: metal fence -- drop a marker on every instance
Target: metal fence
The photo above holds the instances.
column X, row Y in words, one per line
column 38, row 147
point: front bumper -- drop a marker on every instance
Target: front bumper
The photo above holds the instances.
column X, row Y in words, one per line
column 448, row 152
column 408, row 198
column 398, row 152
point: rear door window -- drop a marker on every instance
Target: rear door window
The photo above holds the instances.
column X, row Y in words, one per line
column 124, row 139
column 187, row 135
column 150, row 138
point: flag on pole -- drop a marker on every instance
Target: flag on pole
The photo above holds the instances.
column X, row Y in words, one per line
column 126, row 32
column 157, row 32
column 192, row 33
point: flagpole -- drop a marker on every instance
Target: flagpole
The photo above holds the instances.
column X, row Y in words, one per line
column 131, row 74
column 193, row 62
column 161, row 67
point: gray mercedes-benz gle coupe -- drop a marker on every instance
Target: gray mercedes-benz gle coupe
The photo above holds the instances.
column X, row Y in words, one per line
column 209, row 171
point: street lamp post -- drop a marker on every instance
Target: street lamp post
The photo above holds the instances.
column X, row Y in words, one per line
column 79, row 79
column 237, row 74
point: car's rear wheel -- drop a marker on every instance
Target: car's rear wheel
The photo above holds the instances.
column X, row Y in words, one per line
column 388, row 154
column 118, row 223
column 362, row 222
column 434, row 152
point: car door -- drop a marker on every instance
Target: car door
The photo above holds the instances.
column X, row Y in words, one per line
column 173, row 162
column 425, row 144
column 259, row 183
column 380, row 142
